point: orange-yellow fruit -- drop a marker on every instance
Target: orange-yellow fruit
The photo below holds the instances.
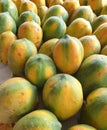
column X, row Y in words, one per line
column 56, row 10
column 42, row 11
column 32, row 31
column 55, row 2
column 94, row 109
column 38, row 120
column 71, row 6
column 101, row 34
column 79, row 28
column 91, row 45
column 17, row 97
column 28, row 16
column 98, row 21
column 18, row 54
column 7, row 23
column 39, row 3
column 82, row 12
column 93, row 73
column 18, row 3
column 104, row 50
column 62, row 94
column 83, row 2
column 53, row 27
column 27, row 5
column 82, row 127
column 6, row 39
column 10, row 7
column 48, row 46
column 97, row 5
column 39, row 68
column 68, row 54
column 104, row 10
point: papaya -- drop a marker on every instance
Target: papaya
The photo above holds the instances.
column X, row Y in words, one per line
column 68, row 54
column 28, row 16
column 31, row 31
column 82, row 127
column 42, row 11
column 91, row 45
column 56, row 10
column 41, row 119
column 53, row 27
column 71, row 6
column 7, row 23
column 10, row 7
column 101, row 34
column 28, row 5
column 92, row 73
column 39, row 68
column 83, row 2
column 17, row 97
column 55, row 2
column 66, row 92
column 104, row 50
column 82, row 12
column 6, row 40
column 94, row 111
column 39, row 3
column 79, row 27
column 104, row 10
column 48, row 46
column 97, row 5
column 18, row 53
column 98, row 21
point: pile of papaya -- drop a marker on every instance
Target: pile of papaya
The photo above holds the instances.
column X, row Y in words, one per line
column 57, row 53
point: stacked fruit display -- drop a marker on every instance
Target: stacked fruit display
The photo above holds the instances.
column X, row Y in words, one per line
column 57, row 52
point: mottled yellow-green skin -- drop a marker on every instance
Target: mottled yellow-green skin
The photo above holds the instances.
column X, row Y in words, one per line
column 38, row 120
column 101, row 34
column 56, row 10
column 32, row 31
column 6, row 39
column 98, row 21
column 104, row 50
column 94, row 110
column 97, row 5
column 39, row 68
column 42, row 11
column 82, row 12
column 7, row 23
column 82, row 127
column 79, row 28
column 54, row 27
column 91, row 45
column 48, row 46
column 28, row 5
column 39, row 3
column 17, row 97
column 62, row 94
column 92, row 73
column 18, row 54
column 68, row 54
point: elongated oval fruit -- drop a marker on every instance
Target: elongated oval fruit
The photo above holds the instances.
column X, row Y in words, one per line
column 18, row 54
column 93, row 73
column 94, row 109
column 17, row 97
column 68, row 54
column 38, row 120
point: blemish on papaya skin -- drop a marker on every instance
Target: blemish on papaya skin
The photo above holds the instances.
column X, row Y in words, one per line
column 22, row 93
